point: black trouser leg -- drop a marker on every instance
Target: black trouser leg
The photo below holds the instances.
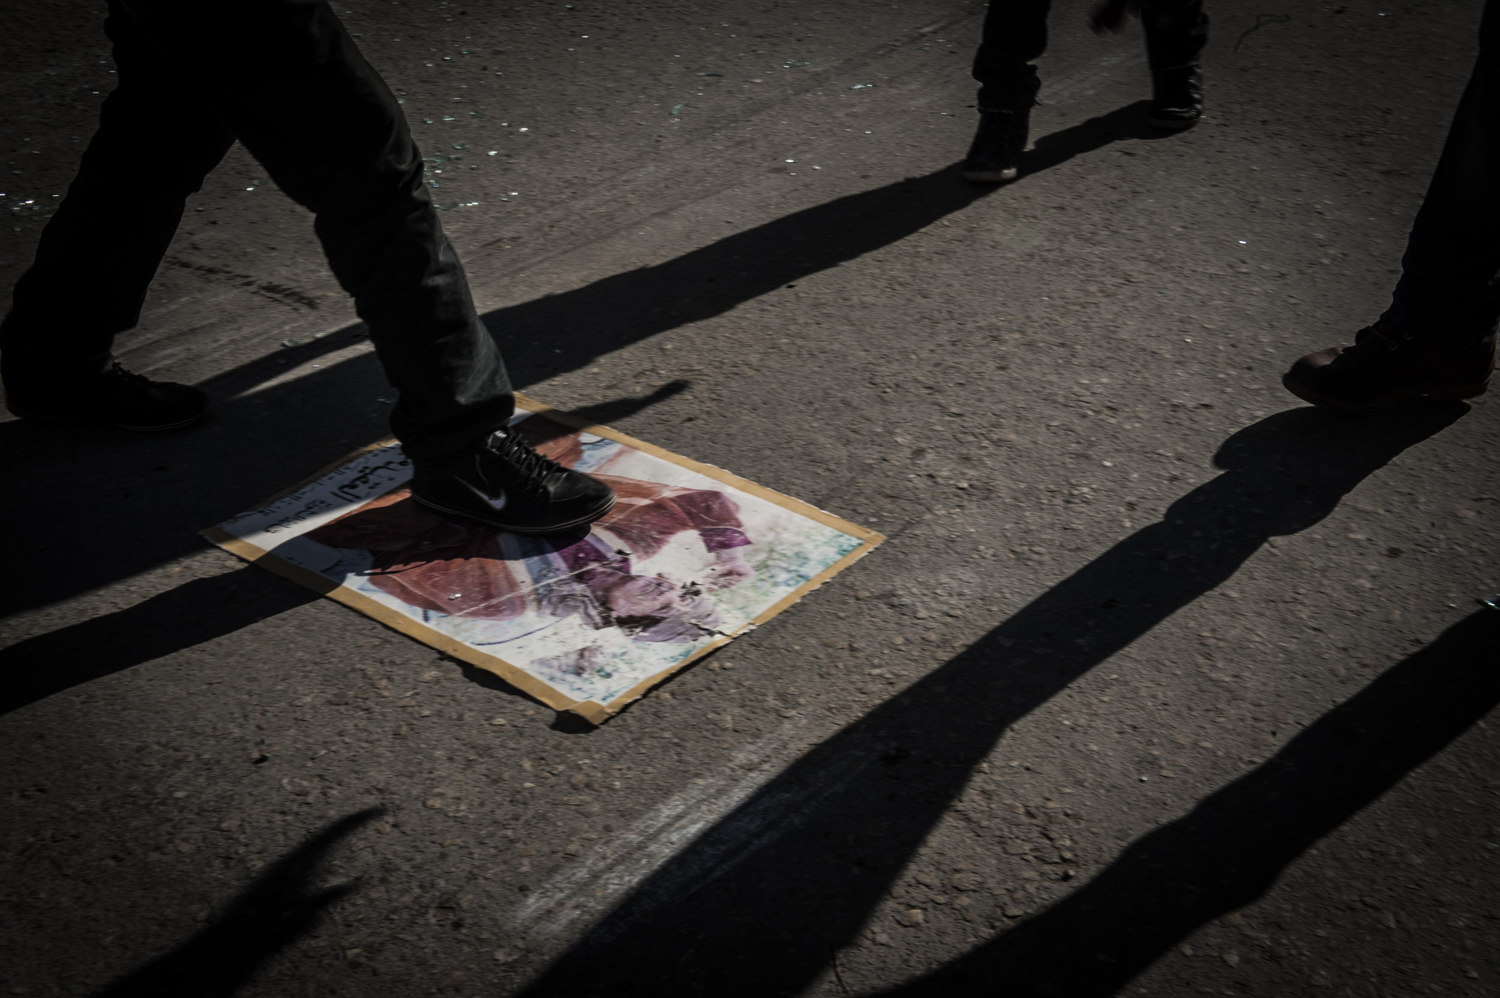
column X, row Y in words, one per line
column 319, row 118
column 1449, row 287
column 98, row 253
column 285, row 78
column 1176, row 31
column 1014, row 37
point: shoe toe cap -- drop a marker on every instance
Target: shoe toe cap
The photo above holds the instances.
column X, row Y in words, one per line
column 1317, row 361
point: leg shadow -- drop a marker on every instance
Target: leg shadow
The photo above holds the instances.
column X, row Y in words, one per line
column 84, row 510
column 603, row 413
column 1131, row 122
column 619, row 310
column 189, row 615
column 759, row 903
column 281, row 906
column 73, row 493
column 1231, row 848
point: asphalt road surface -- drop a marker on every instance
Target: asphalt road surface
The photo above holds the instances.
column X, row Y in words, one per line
column 1164, row 683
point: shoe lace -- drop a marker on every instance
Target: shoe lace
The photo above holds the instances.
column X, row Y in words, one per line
column 128, row 379
column 1394, row 337
column 534, row 469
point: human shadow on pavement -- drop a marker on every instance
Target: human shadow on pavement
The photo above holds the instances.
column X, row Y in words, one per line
column 87, row 508
column 615, row 311
column 1230, row 849
column 1133, row 121
column 278, row 908
column 193, row 613
column 189, row 615
column 760, row 902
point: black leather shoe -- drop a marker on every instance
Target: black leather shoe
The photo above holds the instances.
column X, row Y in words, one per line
column 995, row 154
column 503, row 483
column 1388, row 364
column 1176, row 97
column 116, row 398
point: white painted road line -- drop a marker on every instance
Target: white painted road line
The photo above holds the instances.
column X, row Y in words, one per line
column 620, row 864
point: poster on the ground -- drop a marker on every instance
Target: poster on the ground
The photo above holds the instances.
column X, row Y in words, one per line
column 690, row 557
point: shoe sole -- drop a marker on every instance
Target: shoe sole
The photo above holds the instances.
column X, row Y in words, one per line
column 1173, row 124
column 1450, row 392
column 522, row 528
column 991, row 176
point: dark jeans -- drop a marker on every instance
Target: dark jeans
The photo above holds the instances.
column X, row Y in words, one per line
column 1449, row 275
column 284, row 78
column 1015, row 36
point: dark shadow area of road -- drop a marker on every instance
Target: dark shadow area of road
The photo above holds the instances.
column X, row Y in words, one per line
column 1230, row 849
column 604, row 413
column 760, row 902
column 85, row 510
column 278, row 908
column 1125, row 123
column 616, row 311
column 189, row 615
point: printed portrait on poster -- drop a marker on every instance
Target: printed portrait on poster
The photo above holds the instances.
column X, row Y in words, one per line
column 689, row 557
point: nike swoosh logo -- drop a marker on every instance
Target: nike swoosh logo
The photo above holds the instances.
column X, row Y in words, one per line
column 496, row 503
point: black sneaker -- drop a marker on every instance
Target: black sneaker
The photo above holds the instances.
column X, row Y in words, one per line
column 1176, row 97
column 503, row 483
column 1387, row 364
column 995, row 154
column 117, row 398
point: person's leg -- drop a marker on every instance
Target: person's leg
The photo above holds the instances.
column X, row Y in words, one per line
column 1176, row 31
column 1437, row 338
column 101, row 249
column 1448, row 289
column 291, row 85
column 296, row 91
column 1014, row 37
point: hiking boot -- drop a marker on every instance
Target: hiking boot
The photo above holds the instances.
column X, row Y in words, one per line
column 995, row 154
column 1176, row 97
column 502, row 482
column 116, row 398
column 1387, row 364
